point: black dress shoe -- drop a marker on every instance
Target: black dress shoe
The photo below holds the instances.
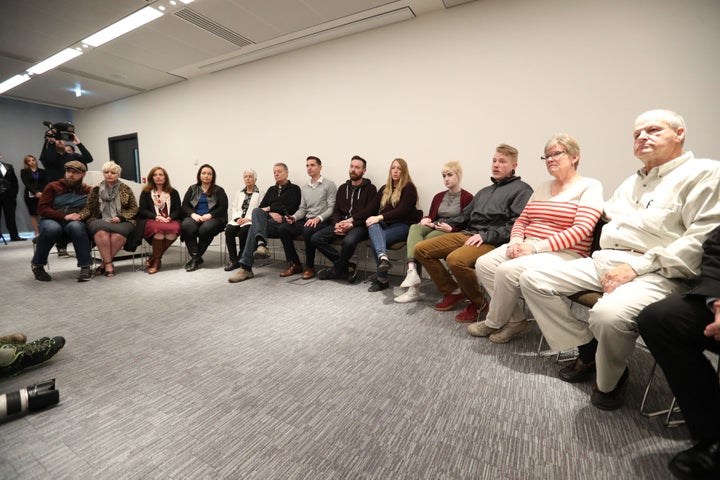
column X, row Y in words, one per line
column 699, row 462
column 577, row 372
column 17, row 239
column 194, row 264
column 613, row 399
column 377, row 286
column 230, row 266
column 327, row 274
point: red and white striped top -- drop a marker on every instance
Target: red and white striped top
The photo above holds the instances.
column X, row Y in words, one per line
column 563, row 221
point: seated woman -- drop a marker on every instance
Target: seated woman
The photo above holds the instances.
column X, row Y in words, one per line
column 205, row 209
column 35, row 179
column 159, row 216
column 246, row 200
column 556, row 225
column 444, row 205
column 110, row 216
column 391, row 212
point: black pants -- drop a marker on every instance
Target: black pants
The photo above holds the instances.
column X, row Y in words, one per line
column 199, row 236
column 288, row 231
column 323, row 240
column 7, row 207
column 673, row 331
column 233, row 233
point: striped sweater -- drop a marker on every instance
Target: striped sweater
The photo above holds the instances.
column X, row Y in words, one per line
column 563, row 221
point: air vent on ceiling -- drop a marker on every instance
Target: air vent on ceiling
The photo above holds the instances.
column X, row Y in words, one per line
column 455, row 3
column 212, row 27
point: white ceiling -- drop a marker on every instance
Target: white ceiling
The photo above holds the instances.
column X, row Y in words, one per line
column 189, row 40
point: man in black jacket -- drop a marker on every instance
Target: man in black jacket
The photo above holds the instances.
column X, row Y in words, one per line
column 351, row 198
column 677, row 330
column 8, row 198
column 280, row 201
column 56, row 153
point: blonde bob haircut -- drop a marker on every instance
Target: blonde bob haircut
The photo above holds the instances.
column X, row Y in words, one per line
column 111, row 167
column 453, row 165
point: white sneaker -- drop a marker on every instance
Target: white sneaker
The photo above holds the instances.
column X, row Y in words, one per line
column 412, row 295
column 412, row 279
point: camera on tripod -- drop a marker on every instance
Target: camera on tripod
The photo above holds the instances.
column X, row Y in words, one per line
column 64, row 131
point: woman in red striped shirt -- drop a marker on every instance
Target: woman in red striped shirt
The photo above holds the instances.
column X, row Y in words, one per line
column 556, row 225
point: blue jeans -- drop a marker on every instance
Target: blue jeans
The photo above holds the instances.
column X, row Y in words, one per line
column 323, row 240
column 382, row 235
column 54, row 231
column 262, row 228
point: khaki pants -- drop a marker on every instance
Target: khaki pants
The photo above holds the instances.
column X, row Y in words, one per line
column 460, row 259
column 612, row 319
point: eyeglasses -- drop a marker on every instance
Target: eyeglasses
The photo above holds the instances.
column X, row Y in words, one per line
column 552, row 156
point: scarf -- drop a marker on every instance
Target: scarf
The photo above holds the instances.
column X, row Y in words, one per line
column 162, row 203
column 109, row 200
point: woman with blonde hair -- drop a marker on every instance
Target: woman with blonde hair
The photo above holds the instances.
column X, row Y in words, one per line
column 444, row 205
column 159, row 216
column 391, row 212
column 35, row 179
column 110, row 216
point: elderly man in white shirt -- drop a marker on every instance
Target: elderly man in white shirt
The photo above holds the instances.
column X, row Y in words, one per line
column 657, row 221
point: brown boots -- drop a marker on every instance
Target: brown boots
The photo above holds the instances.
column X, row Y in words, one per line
column 159, row 245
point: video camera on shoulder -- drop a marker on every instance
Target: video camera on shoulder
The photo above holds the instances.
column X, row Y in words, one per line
column 64, row 131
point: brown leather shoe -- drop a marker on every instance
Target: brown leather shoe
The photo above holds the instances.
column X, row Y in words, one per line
column 292, row 270
column 308, row 273
column 155, row 267
column 578, row 371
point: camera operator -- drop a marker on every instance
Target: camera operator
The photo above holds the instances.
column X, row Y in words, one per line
column 56, row 153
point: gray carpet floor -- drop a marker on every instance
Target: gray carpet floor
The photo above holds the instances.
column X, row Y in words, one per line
column 184, row 375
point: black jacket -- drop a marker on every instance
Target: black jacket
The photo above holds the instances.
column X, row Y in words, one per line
column 284, row 201
column 8, row 183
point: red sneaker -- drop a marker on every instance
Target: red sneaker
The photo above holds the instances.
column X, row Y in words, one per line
column 471, row 312
column 449, row 301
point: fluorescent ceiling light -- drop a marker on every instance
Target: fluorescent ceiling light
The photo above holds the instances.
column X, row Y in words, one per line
column 13, row 82
column 52, row 62
column 186, row 1
column 131, row 22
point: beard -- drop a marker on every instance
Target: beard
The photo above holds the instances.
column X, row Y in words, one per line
column 72, row 183
column 355, row 177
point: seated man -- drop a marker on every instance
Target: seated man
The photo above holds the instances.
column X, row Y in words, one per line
column 59, row 219
column 352, row 197
column 316, row 206
column 280, row 200
column 54, row 155
column 657, row 220
column 484, row 223
column 677, row 330
column 17, row 355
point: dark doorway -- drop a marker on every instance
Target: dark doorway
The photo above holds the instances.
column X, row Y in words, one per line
column 124, row 151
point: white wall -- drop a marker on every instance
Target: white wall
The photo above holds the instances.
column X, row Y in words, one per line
column 447, row 85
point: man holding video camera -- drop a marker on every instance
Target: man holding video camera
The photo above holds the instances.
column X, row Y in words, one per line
column 56, row 153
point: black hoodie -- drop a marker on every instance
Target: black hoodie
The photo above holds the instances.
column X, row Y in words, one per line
column 351, row 200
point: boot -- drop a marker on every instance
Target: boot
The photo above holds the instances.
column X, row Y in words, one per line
column 157, row 251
